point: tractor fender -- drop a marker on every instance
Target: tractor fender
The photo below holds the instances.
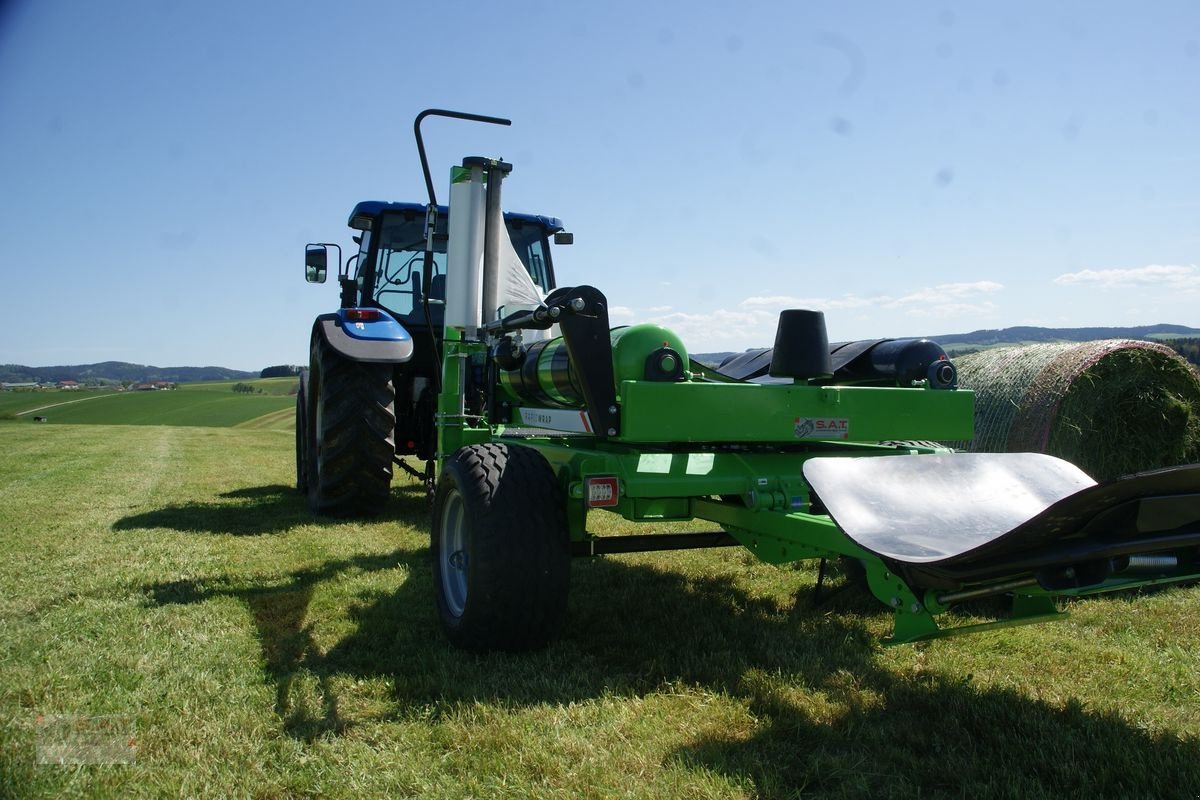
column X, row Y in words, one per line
column 381, row 340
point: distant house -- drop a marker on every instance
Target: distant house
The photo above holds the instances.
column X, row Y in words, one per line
column 68, row 384
column 143, row 387
column 18, row 385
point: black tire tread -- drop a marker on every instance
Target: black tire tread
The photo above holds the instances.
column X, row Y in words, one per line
column 302, row 435
column 353, row 472
column 520, row 556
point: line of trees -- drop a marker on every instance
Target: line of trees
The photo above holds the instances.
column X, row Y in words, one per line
column 280, row 371
column 1188, row 348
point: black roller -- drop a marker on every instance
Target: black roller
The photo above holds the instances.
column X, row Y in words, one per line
column 903, row 362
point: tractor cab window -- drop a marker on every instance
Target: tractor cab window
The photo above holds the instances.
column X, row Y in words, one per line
column 364, row 249
column 401, row 253
column 398, row 265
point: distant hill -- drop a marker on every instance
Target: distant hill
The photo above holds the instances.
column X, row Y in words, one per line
column 958, row 343
column 1029, row 334
column 112, row 372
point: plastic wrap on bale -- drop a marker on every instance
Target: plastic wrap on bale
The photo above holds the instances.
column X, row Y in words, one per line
column 1113, row 407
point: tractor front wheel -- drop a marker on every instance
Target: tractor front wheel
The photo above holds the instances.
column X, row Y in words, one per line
column 351, row 420
column 501, row 561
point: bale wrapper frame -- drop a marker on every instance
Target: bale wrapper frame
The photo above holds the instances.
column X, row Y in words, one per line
column 546, row 413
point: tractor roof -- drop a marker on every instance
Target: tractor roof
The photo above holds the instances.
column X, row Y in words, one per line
column 373, row 208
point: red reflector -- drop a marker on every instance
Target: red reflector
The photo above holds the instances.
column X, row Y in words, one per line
column 601, row 492
column 362, row 314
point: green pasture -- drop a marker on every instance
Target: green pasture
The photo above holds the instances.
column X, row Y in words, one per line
column 279, row 387
column 199, row 404
column 175, row 619
column 26, row 401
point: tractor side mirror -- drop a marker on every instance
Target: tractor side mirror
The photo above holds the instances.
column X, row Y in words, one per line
column 316, row 263
column 562, row 237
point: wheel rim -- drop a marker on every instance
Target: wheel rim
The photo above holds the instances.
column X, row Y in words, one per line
column 452, row 555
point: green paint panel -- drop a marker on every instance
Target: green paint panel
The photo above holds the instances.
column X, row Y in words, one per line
column 747, row 412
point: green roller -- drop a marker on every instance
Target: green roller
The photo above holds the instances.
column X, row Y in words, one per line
column 640, row 352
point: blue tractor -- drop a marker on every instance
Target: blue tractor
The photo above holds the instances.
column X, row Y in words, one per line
column 368, row 397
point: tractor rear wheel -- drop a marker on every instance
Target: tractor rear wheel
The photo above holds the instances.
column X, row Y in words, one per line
column 302, row 436
column 351, row 419
column 501, row 561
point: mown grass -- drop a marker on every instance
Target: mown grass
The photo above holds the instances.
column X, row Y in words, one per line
column 14, row 403
column 201, row 404
column 282, row 420
column 170, row 578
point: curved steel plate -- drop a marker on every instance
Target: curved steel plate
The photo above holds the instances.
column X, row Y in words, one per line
column 926, row 508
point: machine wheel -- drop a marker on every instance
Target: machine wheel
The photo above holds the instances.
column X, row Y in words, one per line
column 351, row 421
column 302, row 435
column 501, row 561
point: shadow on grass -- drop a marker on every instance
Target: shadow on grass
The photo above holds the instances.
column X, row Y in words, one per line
column 261, row 510
column 280, row 611
column 824, row 715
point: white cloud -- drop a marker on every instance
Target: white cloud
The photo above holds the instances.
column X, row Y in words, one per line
column 942, row 293
column 620, row 314
column 771, row 301
column 719, row 326
column 945, row 310
column 1171, row 276
column 939, row 296
column 752, row 322
column 776, row 303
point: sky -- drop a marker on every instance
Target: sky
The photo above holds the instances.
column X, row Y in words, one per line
column 907, row 168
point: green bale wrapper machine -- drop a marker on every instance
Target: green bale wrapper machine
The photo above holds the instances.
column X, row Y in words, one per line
column 802, row 451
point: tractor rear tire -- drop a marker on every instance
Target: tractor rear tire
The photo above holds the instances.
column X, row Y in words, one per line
column 351, row 421
column 302, row 436
column 501, row 557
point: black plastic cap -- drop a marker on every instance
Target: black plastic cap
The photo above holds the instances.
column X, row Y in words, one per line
column 801, row 346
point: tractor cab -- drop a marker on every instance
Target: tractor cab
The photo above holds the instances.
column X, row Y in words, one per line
column 388, row 268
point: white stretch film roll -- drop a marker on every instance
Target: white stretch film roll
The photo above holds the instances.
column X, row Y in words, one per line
column 464, row 260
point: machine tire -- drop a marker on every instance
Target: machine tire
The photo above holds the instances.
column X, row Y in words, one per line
column 501, row 557
column 351, row 421
column 302, row 436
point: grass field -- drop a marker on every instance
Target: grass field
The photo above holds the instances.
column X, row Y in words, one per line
column 25, row 402
column 199, row 404
column 167, row 602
